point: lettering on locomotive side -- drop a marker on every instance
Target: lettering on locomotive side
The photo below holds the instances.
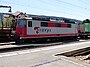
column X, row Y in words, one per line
column 39, row 30
column 45, row 30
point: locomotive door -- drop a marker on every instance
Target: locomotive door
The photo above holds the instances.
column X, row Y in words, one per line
column 29, row 27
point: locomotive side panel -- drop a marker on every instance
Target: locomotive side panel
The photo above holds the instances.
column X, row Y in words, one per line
column 31, row 25
column 50, row 29
column 86, row 30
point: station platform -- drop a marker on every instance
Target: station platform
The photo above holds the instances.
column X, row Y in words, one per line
column 45, row 56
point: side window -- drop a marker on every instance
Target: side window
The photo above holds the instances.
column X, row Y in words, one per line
column 57, row 25
column 29, row 23
column 69, row 25
column 44, row 24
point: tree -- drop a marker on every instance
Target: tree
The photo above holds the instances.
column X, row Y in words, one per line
column 86, row 21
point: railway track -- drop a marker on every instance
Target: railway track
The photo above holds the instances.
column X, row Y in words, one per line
column 80, row 54
column 11, row 46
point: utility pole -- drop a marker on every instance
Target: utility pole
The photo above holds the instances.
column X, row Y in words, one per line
column 1, row 6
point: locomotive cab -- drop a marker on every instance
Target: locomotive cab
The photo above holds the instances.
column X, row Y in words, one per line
column 21, row 27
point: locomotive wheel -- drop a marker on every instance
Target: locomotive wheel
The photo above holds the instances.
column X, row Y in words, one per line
column 18, row 40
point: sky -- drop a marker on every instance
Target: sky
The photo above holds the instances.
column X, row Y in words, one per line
column 75, row 9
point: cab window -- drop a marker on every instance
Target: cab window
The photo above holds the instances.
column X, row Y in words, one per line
column 21, row 23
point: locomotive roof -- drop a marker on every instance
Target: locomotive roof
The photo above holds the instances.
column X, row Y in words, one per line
column 47, row 18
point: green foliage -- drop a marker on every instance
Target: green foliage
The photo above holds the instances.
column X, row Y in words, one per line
column 7, row 21
column 86, row 21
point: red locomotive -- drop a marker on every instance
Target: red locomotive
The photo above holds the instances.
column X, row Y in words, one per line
column 27, row 28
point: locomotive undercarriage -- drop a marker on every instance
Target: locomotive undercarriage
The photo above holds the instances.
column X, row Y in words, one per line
column 47, row 39
column 85, row 35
